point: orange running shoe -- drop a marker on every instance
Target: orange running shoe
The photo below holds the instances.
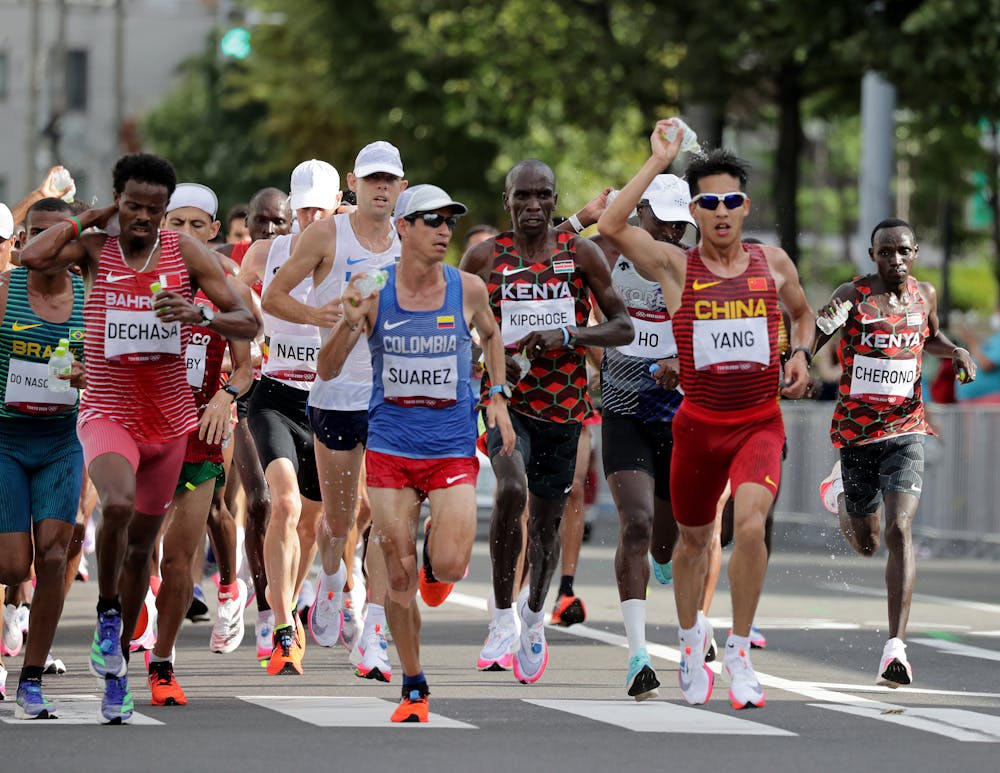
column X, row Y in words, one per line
column 286, row 657
column 163, row 685
column 412, row 708
column 569, row 610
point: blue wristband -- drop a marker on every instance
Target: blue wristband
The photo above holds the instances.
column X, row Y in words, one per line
column 565, row 332
column 653, row 368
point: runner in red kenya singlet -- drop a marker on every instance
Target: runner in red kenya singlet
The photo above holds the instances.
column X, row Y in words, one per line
column 138, row 408
column 723, row 298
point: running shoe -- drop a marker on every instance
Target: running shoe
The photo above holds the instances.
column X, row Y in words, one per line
column 82, row 570
column 300, row 632
column 413, row 707
column 163, row 685
column 23, row 617
column 432, row 591
column 497, row 653
column 757, row 639
column 307, row 597
column 664, row 573
column 641, row 680
column 745, row 691
column 894, row 669
column 106, row 657
column 116, row 705
column 227, row 633
column 353, row 625
column 326, row 620
column 13, row 638
column 532, row 655
column 31, row 704
column 694, row 677
column 286, row 654
column 711, row 653
column 831, row 488
column 569, row 610
column 53, row 665
column 3, row 682
column 144, row 635
column 198, row 609
column 374, row 651
column 263, row 629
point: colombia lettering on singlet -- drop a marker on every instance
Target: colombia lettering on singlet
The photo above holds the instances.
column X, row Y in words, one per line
column 627, row 387
column 136, row 375
column 880, row 392
column 726, row 331
column 543, row 296
column 26, row 343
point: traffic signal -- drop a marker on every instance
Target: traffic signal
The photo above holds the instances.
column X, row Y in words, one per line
column 235, row 43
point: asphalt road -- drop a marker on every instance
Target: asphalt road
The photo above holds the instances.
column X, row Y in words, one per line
column 823, row 614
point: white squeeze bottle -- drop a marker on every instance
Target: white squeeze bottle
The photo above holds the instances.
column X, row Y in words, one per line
column 60, row 363
column 690, row 142
column 371, row 283
column 829, row 325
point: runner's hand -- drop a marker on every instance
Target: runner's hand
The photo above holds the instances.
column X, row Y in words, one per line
column 539, row 341
column 77, row 376
column 964, row 365
column 663, row 149
column 497, row 416
column 171, row 306
column 216, row 418
column 329, row 314
column 668, row 372
column 796, row 378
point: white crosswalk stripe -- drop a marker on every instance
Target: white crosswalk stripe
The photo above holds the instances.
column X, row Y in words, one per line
column 70, row 710
column 325, row 711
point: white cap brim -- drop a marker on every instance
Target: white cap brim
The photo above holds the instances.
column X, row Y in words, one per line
column 6, row 223
column 366, row 169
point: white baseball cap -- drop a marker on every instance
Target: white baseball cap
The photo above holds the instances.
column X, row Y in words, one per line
column 6, row 223
column 669, row 196
column 378, row 156
column 315, row 183
column 402, row 200
column 194, row 195
column 428, row 198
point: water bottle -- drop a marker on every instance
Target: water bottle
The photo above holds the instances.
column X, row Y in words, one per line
column 830, row 324
column 522, row 362
column 371, row 283
column 60, row 364
column 63, row 181
column 690, row 142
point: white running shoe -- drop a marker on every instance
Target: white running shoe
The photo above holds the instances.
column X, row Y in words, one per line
column 694, row 677
column 497, row 652
column 745, row 691
column 353, row 625
column 23, row 618
column 227, row 633
column 325, row 617
column 710, row 651
column 831, row 488
column 263, row 630
column 53, row 665
column 532, row 655
column 3, row 683
column 894, row 669
column 144, row 638
column 13, row 638
column 374, row 651
column 307, row 597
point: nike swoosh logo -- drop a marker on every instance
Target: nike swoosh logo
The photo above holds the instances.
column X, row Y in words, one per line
column 111, row 278
column 508, row 270
column 696, row 285
column 17, row 327
column 684, row 683
column 355, row 261
column 767, row 480
column 453, row 478
column 394, row 325
column 873, row 320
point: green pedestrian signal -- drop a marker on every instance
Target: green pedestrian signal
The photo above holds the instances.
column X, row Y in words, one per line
column 235, row 43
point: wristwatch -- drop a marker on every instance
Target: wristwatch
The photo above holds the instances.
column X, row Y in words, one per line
column 230, row 389
column 502, row 389
column 207, row 315
column 807, row 352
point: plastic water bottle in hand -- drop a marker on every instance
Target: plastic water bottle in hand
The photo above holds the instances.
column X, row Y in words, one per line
column 63, row 181
column 371, row 283
column 690, row 142
column 60, row 364
column 522, row 362
column 829, row 324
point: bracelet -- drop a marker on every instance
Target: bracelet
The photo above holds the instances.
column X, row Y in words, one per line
column 566, row 335
column 76, row 226
column 574, row 221
column 808, row 353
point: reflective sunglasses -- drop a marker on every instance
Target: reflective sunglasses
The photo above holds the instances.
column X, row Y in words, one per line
column 434, row 220
column 710, row 201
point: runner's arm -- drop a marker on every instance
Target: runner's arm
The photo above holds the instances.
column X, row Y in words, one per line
column 359, row 317
column 477, row 260
column 802, row 328
column 64, row 244
column 308, row 252
column 940, row 345
column 234, row 321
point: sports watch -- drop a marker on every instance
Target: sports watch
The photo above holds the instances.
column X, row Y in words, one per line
column 502, row 389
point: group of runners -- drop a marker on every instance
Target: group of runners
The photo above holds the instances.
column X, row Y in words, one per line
column 331, row 360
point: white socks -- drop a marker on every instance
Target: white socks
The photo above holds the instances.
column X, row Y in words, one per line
column 634, row 617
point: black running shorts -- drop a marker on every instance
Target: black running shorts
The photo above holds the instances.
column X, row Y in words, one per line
column 869, row 470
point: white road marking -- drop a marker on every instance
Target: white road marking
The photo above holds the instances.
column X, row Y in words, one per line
column 661, row 717
column 70, row 710
column 330, row 711
column 957, row 724
column 979, row 606
column 902, row 690
column 957, row 648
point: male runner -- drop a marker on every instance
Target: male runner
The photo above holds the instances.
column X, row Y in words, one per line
column 540, row 282
column 879, row 423
column 422, row 431
column 137, row 410
column 41, row 462
column 723, row 299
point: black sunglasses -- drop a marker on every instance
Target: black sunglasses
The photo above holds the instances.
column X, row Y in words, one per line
column 433, row 220
column 710, row 201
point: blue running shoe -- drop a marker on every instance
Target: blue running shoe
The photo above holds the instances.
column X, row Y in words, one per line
column 31, row 704
column 664, row 573
column 641, row 680
column 117, row 705
column 106, row 658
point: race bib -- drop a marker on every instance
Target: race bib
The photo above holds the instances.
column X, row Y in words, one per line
column 28, row 389
column 292, row 357
column 431, row 382
column 138, row 336
column 518, row 318
column 654, row 335
column 726, row 345
column 874, row 379
column 196, row 356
